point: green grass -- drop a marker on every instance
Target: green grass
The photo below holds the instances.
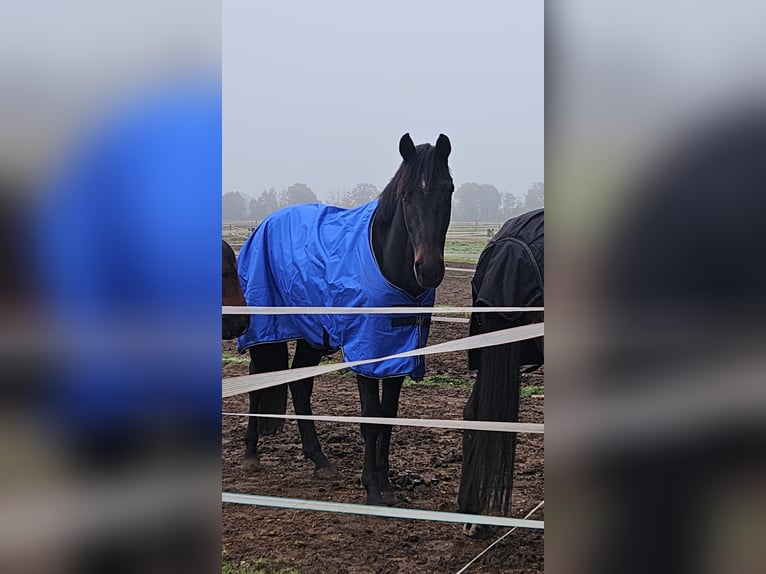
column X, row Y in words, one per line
column 527, row 392
column 342, row 374
column 229, row 359
column 450, row 382
column 457, row 249
column 453, row 258
column 466, row 245
column 464, row 250
column 260, row 566
column 440, row 382
column 472, row 245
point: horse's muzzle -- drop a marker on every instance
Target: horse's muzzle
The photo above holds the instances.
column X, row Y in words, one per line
column 232, row 326
column 429, row 275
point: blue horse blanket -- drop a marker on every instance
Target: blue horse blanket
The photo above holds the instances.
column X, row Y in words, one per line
column 317, row 255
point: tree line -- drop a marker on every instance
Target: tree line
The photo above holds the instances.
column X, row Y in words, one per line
column 474, row 202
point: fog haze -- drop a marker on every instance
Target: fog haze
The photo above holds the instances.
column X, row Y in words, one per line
column 320, row 93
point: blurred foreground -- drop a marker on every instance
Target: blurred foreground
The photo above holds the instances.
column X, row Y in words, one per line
column 110, row 432
column 655, row 391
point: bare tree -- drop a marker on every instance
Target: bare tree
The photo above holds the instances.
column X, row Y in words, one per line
column 361, row 194
column 234, row 205
column 535, row 197
column 295, row 194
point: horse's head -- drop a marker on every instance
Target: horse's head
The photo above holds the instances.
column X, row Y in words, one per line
column 425, row 189
column 232, row 326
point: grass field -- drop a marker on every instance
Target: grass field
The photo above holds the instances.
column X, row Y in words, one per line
column 464, row 250
column 464, row 242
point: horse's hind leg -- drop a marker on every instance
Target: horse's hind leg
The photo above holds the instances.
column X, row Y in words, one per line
column 389, row 408
column 370, row 398
column 252, row 460
column 307, row 356
column 264, row 359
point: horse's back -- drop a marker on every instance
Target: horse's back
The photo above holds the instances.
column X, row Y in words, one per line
column 295, row 256
column 510, row 273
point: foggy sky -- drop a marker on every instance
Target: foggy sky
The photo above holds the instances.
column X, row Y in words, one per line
column 320, row 92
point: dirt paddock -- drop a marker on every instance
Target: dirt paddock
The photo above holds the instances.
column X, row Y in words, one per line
column 425, row 466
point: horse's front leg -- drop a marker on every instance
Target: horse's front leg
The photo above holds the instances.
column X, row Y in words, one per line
column 370, row 399
column 389, row 408
column 263, row 359
column 307, row 356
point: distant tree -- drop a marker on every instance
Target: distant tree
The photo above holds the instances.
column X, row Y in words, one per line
column 295, row 194
column 336, row 197
column 535, row 197
column 265, row 204
column 512, row 205
column 234, row 205
column 361, row 194
column 476, row 202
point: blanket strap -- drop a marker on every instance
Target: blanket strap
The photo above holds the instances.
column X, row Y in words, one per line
column 404, row 321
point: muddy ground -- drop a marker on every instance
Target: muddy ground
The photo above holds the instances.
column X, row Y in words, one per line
column 426, row 466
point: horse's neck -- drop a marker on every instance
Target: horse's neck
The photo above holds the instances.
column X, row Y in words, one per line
column 393, row 250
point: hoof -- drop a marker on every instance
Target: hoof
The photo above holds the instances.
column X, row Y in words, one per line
column 326, row 472
column 252, row 464
column 389, row 498
column 478, row 531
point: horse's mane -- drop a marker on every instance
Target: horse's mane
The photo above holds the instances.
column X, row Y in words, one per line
column 408, row 175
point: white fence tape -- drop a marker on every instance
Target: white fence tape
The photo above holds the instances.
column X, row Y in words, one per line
column 383, row 511
column 431, row 423
column 237, row 385
column 243, row 310
column 450, row 319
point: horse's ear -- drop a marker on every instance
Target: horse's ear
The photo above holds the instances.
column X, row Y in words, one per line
column 406, row 147
column 443, row 146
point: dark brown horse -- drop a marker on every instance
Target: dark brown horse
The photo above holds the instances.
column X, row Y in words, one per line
column 402, row 236
column 232, row 326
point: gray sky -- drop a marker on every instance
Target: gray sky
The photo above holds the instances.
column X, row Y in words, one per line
column 320, row 92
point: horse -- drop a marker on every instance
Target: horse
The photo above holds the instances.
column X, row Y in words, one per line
column 388, row 252
column 232, row 326
column 509, row 273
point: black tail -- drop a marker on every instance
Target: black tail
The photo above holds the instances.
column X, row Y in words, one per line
column 268, row 358
column 486, row 480
column 273, row 401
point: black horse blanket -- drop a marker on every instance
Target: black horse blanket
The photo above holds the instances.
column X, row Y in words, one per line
column 510, row 273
